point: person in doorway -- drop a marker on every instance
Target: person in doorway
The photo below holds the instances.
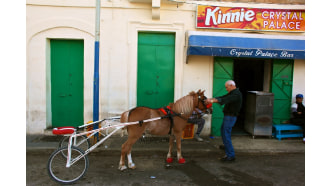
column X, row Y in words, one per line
column 298, row 113
column 233, row 104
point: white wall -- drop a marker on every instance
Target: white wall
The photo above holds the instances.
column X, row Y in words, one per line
column 120, row 23
column 298, row 79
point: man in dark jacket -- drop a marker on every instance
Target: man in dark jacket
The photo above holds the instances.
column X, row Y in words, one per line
column 233, row 104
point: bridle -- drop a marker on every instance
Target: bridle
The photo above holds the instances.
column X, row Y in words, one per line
column 202, row 101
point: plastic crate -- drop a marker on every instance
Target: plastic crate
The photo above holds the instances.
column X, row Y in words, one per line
column 188, row 132
column 90, row 128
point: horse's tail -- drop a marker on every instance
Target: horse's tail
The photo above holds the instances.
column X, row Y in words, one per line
column 124, row 119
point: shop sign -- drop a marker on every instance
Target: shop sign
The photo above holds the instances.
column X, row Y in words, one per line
column 260, row 19
column 260, row 53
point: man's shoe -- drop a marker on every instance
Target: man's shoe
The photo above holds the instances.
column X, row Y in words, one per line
column 198, row 138
column 221, row 147
column 223, row 158
column 228, row 159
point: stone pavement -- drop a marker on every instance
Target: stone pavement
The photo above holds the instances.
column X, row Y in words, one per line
column 241, row 143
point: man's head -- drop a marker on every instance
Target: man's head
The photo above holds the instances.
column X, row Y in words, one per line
column 230, row 85
column 299, row 98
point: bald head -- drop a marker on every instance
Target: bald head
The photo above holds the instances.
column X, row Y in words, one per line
column 230, row 85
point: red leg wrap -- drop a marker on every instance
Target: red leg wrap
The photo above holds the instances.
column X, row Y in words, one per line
column 169, row 160
column 182, row 160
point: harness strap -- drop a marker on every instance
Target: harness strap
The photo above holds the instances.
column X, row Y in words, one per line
column 168, row 114
column 140, row 122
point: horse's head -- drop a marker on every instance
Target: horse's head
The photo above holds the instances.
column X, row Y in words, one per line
column 201, row 105
column 187, row 104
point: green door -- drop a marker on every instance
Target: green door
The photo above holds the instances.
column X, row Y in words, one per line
column 282, row 88
column 155, row 73
column 67, row 82
column 223, row 71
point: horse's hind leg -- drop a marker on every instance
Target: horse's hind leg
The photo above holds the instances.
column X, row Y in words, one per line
column 124, row 151
column 131, row 165
column 169, row 158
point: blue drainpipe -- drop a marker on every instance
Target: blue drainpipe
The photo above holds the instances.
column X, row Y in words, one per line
column 96, row 68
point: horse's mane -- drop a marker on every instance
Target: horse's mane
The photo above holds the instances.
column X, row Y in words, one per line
column 184, row 105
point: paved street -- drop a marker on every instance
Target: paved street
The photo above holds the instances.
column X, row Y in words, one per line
column 249, row 169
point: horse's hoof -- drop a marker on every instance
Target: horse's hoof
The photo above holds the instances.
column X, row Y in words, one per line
column 182, row 160
column 131, row 166
column 122, row 167
column 169, row 160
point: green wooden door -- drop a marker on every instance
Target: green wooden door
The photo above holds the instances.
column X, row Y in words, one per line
column 67, row 82
column 223, row 71
column 282, row 77
column 155, row 77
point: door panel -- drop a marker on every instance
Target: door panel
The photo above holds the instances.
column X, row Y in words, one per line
column 282, row 88
column 156, row 59
column 67, row 82
column 223, row 71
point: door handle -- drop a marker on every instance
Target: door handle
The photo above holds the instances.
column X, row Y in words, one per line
column 149, row 92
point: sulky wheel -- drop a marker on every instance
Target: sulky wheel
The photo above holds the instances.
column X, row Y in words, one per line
column 58, row 171
column 81, row 142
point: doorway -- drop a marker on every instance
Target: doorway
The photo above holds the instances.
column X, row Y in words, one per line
column 248, row 76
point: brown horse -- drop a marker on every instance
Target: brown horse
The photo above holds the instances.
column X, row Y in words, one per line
column 181, row 110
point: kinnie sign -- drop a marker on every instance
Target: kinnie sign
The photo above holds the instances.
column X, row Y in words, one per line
column 285, row 20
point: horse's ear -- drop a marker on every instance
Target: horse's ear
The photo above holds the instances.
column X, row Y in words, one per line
column 203, row 92
column 199, row 91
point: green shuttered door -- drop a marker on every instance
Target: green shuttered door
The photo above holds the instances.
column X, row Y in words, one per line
column 282, row 89
column 67, row 82
column 223, row 71
column 156, row 59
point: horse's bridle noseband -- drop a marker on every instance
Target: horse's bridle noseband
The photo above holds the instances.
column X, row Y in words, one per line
column 202, row 100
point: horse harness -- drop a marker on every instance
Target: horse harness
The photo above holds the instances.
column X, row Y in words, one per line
column 169, row 114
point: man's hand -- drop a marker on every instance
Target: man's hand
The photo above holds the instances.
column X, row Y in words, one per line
column 211, row 100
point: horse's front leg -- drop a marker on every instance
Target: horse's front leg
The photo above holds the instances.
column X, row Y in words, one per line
column 178, row 149
column 169, row 158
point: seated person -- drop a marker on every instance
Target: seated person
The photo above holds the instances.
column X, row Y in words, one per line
column 298, row 112
column 197, row 118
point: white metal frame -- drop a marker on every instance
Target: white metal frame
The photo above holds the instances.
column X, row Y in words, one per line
column 70, row 162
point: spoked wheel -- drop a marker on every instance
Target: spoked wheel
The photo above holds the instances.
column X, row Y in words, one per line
column 81, row 142
column 58, row 171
